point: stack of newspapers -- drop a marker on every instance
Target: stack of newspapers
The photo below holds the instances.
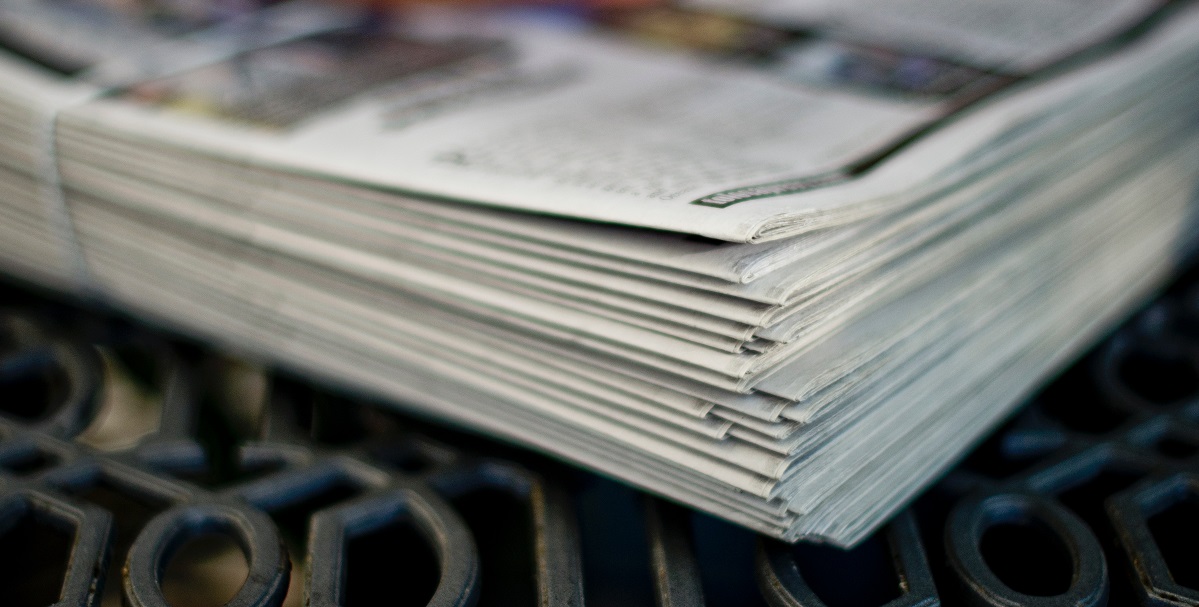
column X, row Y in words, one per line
column 783, row 261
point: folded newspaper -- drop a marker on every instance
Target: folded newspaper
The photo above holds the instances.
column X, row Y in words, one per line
column 781, row 260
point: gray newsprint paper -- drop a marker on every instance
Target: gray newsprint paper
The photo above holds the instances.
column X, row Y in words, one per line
column 584, row 126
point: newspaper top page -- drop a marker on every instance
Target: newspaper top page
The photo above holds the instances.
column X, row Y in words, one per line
column 577, row 124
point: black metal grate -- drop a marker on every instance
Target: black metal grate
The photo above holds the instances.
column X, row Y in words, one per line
column 312, row 497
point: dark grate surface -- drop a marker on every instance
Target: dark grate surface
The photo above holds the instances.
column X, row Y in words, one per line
column 137, row 466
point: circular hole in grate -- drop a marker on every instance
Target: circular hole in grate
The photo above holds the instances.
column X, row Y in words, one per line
column 392, row 565
column 207, row 571
column 35, row 393
column 864, row 575
column 1028, row 557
